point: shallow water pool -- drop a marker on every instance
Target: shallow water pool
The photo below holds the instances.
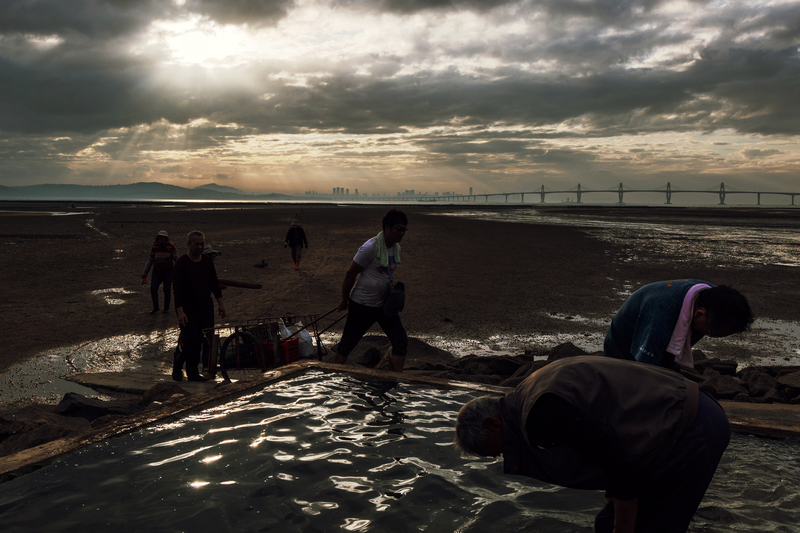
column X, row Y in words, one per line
column 329, row 452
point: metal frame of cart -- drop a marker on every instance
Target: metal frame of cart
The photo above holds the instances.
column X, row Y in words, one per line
column 238, row 351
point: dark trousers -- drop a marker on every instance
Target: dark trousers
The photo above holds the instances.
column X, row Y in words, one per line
column 360, row 318
column 679, row 482
column 159, row 277
column 191, row 339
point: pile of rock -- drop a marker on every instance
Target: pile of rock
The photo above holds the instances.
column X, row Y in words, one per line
column 754, row 384
column 757, row 384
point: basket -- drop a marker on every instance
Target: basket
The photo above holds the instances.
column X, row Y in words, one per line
column 290, row 350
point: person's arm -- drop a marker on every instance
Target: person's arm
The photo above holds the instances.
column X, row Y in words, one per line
column 182, row 318
column 147, row 265
column 347, row 285
column 303, row 233
column 221, row 307
column 650, row 340
column 177, row 293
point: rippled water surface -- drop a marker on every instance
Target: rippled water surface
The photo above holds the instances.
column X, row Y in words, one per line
column 330, row 453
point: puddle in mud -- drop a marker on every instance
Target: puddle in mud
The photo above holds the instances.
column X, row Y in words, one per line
column 107, row 294
column 90, row 224
column 41, row 377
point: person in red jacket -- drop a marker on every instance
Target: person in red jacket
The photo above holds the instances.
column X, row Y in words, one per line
column 162, row 258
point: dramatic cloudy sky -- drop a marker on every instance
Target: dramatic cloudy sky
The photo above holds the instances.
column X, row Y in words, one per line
column 388, row 95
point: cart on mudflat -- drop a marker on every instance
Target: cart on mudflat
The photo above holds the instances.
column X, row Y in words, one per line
column 249, row 349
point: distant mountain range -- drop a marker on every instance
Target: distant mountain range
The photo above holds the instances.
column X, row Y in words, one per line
column 134, row 192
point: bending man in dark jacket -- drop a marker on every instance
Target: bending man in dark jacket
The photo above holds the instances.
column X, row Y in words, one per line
column 194, row 280
column 646, row 435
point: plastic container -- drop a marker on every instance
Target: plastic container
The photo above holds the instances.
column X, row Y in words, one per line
column 290, row 351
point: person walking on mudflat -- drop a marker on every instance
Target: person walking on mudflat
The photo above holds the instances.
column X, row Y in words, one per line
column 295, row 239
column 366, row 287
column 163, row 255
column 660, row 322
column 195, row 279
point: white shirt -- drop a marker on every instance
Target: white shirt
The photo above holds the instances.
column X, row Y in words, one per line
column 373, row 283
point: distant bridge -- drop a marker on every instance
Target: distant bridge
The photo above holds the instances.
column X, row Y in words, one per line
column 668, row 191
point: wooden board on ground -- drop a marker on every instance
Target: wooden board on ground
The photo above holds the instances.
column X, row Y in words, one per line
column 135, row 382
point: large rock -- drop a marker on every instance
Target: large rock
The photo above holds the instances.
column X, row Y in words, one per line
column 162, row 392
column 776, row 396
column 726, row 368
column 34, row 425
column 77, row 405
column 566, row 349
column 723, row 387
column 501, row 365
column 758, row 383
column 790, row 381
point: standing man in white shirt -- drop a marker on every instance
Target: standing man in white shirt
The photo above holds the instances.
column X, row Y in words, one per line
column 366, row 287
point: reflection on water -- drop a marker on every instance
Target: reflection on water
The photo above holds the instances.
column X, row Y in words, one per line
column 323, row 453
column 40, row 377
column 110, row 299
column 728, row 243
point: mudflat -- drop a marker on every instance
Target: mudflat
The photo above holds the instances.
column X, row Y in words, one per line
column 465, row 278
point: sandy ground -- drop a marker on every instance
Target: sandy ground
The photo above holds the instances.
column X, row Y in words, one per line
column 464, row 278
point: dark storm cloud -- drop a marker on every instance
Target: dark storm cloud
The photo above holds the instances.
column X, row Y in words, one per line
column 99, row 18
column 252, row 12
column 414, row 6
column 83, row 86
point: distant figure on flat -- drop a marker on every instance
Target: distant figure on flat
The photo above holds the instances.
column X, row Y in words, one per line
column 195, row 279
column 296, row 238
column 646, row 435
column 163, row 255
column 366, row 287
column 659, row 323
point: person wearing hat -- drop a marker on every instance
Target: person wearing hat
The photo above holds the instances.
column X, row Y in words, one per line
column 195, row 280
column 162, row 258
column 296, row 238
